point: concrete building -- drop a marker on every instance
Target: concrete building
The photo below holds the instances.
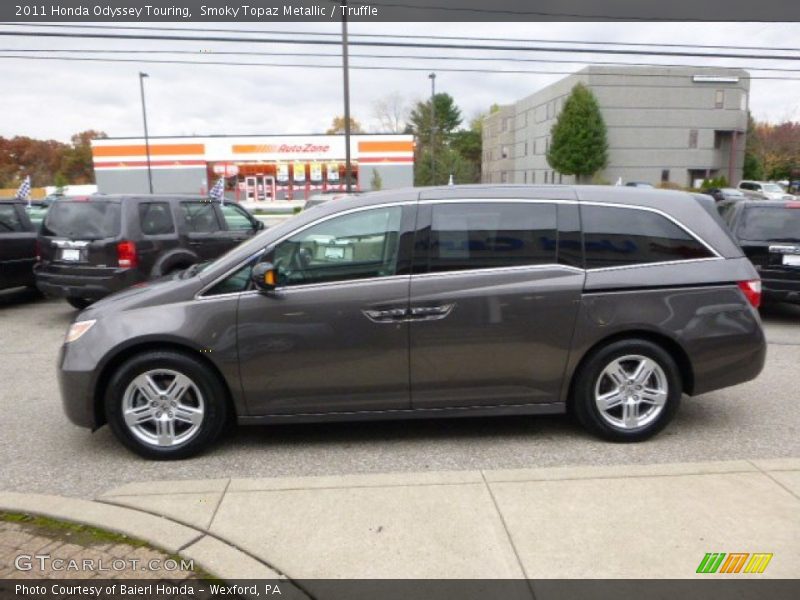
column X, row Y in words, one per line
column 674, row 125
column 256, row 168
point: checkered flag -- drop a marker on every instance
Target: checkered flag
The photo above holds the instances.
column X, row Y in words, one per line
column 24, row 191
column 218, row 191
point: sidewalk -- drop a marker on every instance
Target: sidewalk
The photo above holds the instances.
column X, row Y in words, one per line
column 638, row 521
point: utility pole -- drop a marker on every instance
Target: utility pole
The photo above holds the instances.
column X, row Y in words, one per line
column 146, row 137
column 346, row 77
column 432, row 77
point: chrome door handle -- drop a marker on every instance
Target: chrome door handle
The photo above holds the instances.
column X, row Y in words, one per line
column 432, row 312
column 385, row 316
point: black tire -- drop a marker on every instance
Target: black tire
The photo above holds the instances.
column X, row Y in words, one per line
column 586, row 380
column 214, row 396
column 79, row 303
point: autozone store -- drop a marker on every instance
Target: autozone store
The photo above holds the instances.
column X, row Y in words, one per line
column 256, row 168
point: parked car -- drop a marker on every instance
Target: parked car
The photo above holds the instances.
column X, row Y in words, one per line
column 640, row 184
column 96, row 245
column 17, row 245
column 763, row 190
column 610, row 302
column 720, row 194
column 769, row 234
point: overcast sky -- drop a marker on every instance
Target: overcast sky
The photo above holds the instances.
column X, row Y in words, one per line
column 54, row 99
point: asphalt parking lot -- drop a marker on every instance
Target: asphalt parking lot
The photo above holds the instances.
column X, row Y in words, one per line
column 40, row 451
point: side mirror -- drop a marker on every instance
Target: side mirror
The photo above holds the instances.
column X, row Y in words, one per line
column 259, row 225
column 264, row 276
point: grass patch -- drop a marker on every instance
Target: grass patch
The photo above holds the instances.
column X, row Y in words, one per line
column 77, row 532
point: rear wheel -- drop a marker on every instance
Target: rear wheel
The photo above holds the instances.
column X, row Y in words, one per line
column 79, row 303
column 165, row 405
column 627, row 391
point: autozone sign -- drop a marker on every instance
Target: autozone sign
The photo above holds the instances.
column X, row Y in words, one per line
column 280, row 148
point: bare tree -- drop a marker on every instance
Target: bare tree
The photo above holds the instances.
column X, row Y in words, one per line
column 391, row 113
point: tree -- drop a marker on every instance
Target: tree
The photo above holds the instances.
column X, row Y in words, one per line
column 337, row 126
column 391, row 113
column 76, row 164
column 469, row 144
column 447, row 116
column 578, row 145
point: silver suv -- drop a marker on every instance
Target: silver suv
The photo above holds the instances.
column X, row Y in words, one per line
column 764, row 190
column 608, row 302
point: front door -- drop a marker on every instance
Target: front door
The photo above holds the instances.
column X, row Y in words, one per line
column 333, row 336
column 17, row 247
column 492, row 307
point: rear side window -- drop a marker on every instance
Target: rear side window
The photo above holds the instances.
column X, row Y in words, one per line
column 200, row 217
column 155, row 218
column 770, row 224
column 85, row 220
column 491, row 235
column 616, row 237
column 9, row 219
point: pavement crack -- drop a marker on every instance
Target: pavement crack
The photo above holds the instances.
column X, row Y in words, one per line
column 216, row 509
column 508, row 535
column 777, row 482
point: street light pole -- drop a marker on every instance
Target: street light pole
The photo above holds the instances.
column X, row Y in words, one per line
column 146, row 136
column 346, row 77
column 432, row 77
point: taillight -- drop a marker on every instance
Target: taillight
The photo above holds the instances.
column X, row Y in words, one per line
column 126, row 255
column 752, row 291
column 792, row 204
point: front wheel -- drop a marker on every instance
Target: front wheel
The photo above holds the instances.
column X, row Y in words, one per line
column 627, row 391
column 165, row 405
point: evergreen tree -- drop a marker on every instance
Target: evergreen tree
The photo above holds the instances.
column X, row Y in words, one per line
column 578, row 145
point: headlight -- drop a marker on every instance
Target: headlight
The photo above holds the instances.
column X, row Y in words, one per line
column 77, row 329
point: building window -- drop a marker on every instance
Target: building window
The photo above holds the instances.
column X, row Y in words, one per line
column 719, row 99
column 560, row 178
column 533, row 176
column 718, row 135
column 665, row 175
column 534, row 146
column 503, row 177
column 547, row 144
column 524, row 177
column 503, row 151
column 693, row 138
column 526, row 148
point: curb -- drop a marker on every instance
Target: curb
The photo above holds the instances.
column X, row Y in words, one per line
column 214, row 555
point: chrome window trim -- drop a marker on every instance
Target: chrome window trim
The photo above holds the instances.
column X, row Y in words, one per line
column 486, row 270
column 717, row 256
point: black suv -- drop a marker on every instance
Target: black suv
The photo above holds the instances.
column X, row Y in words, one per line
column 17, row 245
column 91, row 247
column 769, row 233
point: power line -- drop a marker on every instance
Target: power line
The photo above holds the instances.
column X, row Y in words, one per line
column 359, row 67
column 394, row 56
column 570, row 50
column 412, row 36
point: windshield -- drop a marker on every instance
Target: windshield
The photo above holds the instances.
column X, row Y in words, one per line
column 83, row 220
column 772, row 187
column 770, row 224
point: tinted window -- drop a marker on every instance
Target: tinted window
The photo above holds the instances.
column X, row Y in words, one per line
column 9, row 219
column 770, row 223
column 82, row 219
column 155, row 218
column 354, row 246
column 200, row 217
column 624, row 236
column 491, row 235
column 236, row 218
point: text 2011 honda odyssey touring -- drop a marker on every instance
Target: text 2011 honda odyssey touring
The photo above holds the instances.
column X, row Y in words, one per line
column 609, row 302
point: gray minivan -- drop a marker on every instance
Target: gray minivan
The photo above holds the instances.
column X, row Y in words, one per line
column 608, row 302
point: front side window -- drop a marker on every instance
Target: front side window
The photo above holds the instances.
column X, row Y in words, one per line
column 9, row 219
column 491, row 235
column 236, row 219
column 358, row 245
column 200, row 217
column 155, row 218
column 627, row 236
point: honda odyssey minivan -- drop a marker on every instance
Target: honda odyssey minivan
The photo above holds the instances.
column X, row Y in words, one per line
column 607, row 302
